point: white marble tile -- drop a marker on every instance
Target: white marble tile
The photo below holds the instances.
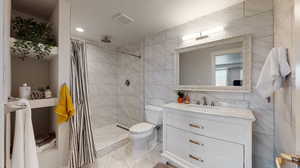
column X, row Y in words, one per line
column 263, row 151
column 102, row 116
column 122, row 158
column 130, row 99
column 254, row 7
column 284, row 115
column 108, row 95
column 109, row 138
column 97, row 54
column 102, row 80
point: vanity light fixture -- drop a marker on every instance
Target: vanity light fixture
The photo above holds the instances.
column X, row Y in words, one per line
column 202, row 35
column 79, row 29
column 191, row 36
column 211, row 31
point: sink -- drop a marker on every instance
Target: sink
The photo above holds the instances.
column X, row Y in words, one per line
column 199, row 106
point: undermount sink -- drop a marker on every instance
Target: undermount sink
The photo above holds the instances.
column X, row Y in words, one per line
column 214, row 110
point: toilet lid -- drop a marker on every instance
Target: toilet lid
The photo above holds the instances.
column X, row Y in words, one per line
column 141, row 127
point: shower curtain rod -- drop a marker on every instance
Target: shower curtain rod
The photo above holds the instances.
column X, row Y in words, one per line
column 122, row 52
column 130, row 54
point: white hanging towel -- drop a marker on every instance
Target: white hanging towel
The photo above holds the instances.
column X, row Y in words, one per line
column 274, row 71
column 24, row 148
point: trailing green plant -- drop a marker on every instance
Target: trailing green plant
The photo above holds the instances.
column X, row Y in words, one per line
column 32, row 38
column 180, row 94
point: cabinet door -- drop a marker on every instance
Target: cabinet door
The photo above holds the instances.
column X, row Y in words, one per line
column 176, row 142
column 212, row 153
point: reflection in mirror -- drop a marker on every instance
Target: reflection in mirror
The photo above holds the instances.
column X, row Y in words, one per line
column 228, row 68
column 220, row 65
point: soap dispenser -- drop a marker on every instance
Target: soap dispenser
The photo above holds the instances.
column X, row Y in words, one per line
column 187, row 99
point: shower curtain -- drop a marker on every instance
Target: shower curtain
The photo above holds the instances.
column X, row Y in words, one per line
column 83, row 153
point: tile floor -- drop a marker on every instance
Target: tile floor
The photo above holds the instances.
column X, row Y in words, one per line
column 114, row 150
column 122, row 158
column 109, row 138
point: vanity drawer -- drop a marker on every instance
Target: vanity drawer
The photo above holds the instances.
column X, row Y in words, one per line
column 213, row 153
column 211, row 128
column 203, row 152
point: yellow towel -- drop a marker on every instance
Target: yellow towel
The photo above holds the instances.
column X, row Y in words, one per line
column 65, row 108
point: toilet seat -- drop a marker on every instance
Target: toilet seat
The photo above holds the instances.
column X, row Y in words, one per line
column 141, row 128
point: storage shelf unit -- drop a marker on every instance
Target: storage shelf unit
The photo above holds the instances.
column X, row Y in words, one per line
column 16, row 105
column 53, row 52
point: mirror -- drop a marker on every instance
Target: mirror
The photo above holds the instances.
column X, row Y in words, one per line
column 218, row 65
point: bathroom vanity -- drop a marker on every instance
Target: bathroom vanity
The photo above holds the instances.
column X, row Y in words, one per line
column 196, row 136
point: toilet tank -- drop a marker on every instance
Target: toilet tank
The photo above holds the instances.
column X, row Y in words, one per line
column 153, row 114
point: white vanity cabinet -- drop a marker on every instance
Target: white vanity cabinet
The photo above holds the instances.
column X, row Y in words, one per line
column 195, row 136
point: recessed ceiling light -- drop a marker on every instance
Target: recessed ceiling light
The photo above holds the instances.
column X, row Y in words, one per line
column 79, row 29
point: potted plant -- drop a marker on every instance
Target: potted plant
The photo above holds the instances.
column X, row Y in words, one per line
column 180, row 98
column 32, row 39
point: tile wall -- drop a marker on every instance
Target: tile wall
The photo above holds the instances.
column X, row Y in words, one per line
column 285, row 129
column 103, row 86
column 111, row 101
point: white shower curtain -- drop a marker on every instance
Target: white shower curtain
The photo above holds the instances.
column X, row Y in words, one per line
column 83, row 152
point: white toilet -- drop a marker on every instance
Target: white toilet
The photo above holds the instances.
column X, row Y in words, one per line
column 144, row 135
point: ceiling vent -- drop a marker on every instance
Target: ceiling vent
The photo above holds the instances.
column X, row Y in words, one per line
column 122, row 18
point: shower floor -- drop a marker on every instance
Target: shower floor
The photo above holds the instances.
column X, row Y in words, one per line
column 109, row 138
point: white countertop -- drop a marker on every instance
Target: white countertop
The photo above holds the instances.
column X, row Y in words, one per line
column 241, row 113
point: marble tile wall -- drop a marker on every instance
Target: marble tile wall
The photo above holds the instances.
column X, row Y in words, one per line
column 103, row 85
column 130, row 98
column 111, row 101
column 159, row 72
column 284, row 114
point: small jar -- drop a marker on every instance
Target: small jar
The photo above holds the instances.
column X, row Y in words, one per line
column 48, row 93
column 187, row 99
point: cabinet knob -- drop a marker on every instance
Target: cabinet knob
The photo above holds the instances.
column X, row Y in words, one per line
column 196, row 126
column 195, row 158
column 195, row 142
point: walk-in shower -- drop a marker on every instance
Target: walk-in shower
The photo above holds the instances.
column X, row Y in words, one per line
column 112, row 102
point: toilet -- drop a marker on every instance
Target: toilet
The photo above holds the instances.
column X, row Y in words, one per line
column 144, row 135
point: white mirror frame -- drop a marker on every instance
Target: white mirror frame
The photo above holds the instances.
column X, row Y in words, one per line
column 247, row 65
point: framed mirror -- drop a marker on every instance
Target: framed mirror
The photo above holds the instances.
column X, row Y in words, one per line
column 222, row 65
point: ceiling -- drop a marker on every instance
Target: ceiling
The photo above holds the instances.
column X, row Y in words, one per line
column 38, row 8
column 151, row 16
